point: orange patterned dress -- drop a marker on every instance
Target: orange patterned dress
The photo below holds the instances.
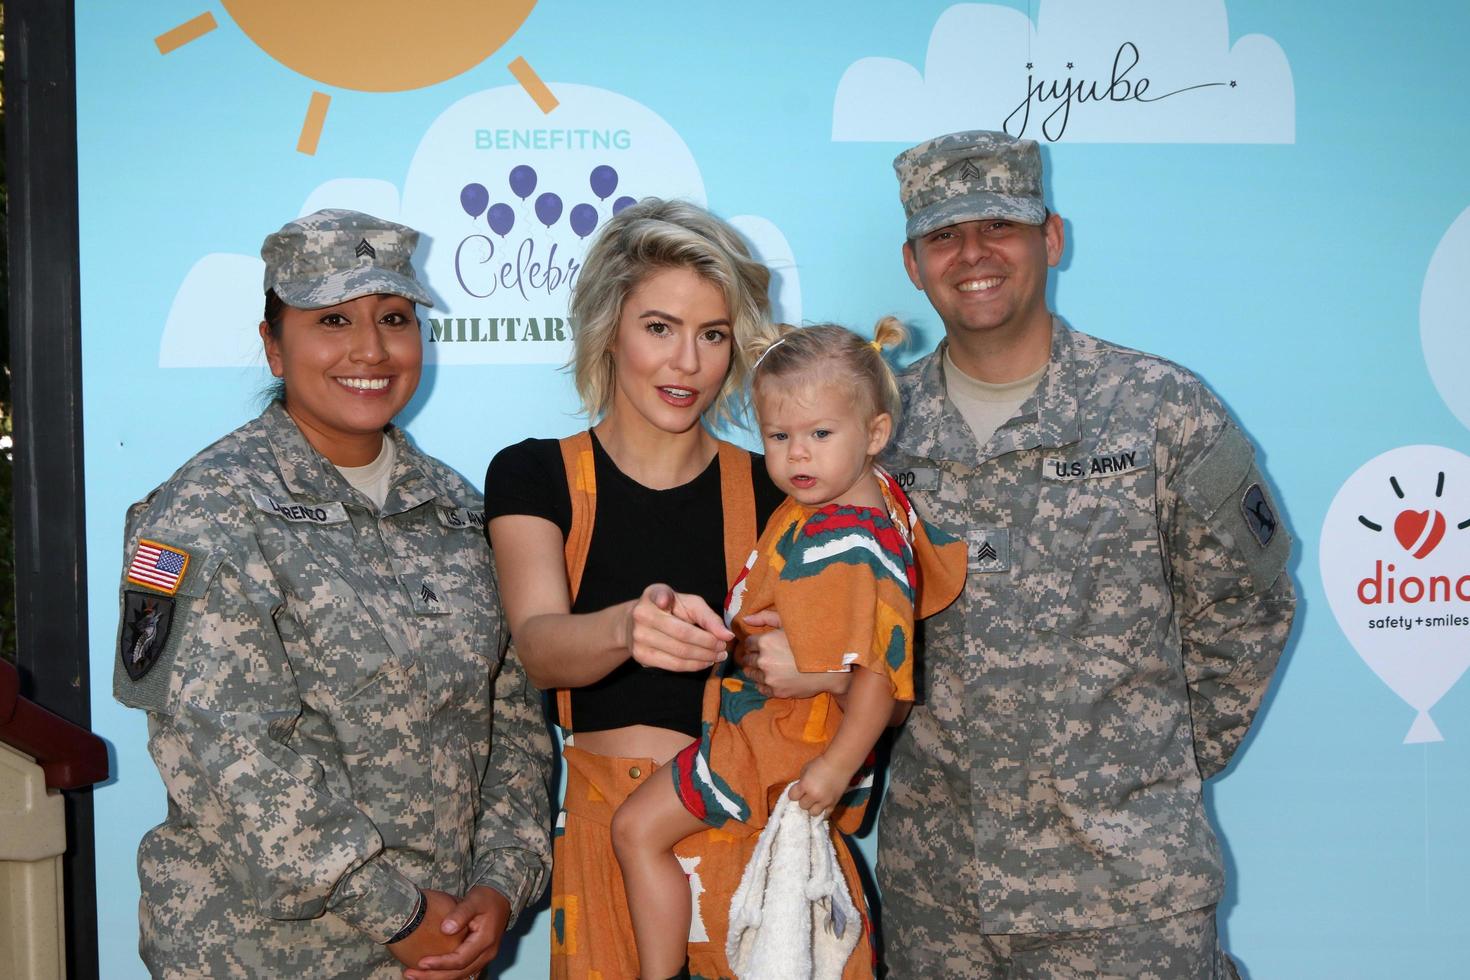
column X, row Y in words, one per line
column 848, row 583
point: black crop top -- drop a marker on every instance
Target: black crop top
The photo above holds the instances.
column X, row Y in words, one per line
column 639, row 536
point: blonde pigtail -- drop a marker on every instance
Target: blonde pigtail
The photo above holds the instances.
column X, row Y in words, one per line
column 889, row 333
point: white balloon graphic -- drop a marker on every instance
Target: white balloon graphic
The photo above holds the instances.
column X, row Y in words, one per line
column 1395, row 563
column 1444, row 316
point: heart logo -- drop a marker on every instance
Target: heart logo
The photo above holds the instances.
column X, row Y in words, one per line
column 1419, row 531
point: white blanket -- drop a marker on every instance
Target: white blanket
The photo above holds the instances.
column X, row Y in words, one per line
column 792, row 917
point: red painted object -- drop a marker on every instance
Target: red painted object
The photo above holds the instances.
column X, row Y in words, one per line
column 70, row 756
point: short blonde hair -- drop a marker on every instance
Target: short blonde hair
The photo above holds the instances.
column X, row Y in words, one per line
column 646, row 237
column 829, row 354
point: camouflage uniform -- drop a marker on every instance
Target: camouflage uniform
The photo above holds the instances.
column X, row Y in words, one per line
column 1124, row 610
column 1179, row 947
column 320, row 711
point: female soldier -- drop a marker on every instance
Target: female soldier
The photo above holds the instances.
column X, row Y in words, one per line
column 615, row 546
column 310, row 620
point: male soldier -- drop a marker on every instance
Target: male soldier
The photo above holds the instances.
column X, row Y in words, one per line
column 1125, row 606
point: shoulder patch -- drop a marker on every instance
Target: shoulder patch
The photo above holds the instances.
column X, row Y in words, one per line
column 1225, row 489
column 1218, row 473
column 156, row 565
column 1259, row 516
column 147, row 619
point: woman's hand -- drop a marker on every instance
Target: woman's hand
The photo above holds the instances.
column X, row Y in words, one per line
column 768, row 661
column 821, row 785
column 674, row 630
column 478, row 922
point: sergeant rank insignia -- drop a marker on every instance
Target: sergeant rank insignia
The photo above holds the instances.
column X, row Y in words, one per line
column 146, row 621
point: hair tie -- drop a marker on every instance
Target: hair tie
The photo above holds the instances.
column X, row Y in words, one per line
column 876, row 345
column 758, row 360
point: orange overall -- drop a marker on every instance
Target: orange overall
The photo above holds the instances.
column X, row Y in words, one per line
column 591, row 933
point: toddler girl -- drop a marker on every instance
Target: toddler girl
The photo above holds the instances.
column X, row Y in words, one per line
column 847, row 566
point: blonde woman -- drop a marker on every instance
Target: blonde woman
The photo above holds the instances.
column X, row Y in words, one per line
column 616, row 546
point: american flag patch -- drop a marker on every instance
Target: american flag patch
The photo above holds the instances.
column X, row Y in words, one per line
column 158, row 566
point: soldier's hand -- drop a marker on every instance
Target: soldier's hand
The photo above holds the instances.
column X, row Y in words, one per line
column 674, row 630
column 820, row 787
column 427, row 939
column 478, row 921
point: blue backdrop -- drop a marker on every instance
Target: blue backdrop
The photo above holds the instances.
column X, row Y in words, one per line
column 1273, row 194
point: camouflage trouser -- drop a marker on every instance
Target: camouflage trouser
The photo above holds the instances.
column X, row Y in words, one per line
column 1180, row 947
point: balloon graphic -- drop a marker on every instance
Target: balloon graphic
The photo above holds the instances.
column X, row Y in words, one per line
column 522, row 181
column 583, row 219
column 502, row 219
column 604, row 181
column 621, row 203
column 473, row 199
column 1395, row 563
column 548, row 209
column 1443, row 300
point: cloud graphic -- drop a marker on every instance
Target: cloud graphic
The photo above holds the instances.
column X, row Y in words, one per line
column 1444, row 317
column 223, row 290
column 215, row 315
column 1088, row 71
column 356, row 193
column 507, row 200
column 770, row 246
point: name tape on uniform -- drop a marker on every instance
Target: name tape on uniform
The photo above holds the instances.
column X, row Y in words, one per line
column 461, row 517
column 1094, row 465
column 916, row 478
column 332, row 513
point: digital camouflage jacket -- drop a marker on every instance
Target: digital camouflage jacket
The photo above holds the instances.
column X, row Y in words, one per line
column 1125, row 606
column 319, row 679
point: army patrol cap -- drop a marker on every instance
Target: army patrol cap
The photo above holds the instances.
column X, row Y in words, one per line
column 332, row 256
column 968, row 177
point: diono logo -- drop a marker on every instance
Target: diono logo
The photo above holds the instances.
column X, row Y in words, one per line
column 1407, row 617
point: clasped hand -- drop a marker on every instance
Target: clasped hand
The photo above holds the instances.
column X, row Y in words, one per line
column 457, row 938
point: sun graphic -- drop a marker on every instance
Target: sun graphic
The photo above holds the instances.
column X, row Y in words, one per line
column 374, row 45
